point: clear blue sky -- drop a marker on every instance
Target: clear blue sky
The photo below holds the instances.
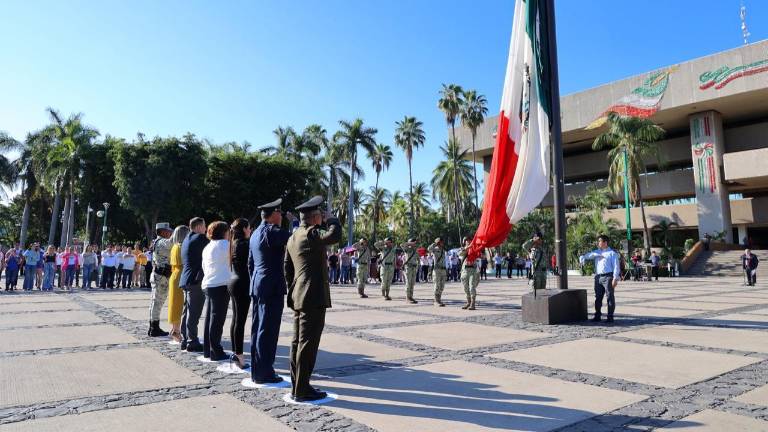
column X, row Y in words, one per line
column 235, row 70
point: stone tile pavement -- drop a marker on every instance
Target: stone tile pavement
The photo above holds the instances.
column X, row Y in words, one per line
column 685, row 354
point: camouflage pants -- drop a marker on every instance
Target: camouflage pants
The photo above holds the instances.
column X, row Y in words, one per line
column 539, row 280
column 387, row 273
column 470, row 279
column 159, row 295
column 410, row 280
column 362, row 277
column 438, row 277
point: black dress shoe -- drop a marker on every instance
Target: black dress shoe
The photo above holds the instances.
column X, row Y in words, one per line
column 274, row 380
column 363, row 295
column 314, row 396
column 194, row 347
column 219, row 357
column 609, row 319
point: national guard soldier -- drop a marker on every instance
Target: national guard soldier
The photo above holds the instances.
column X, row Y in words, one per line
column 363, row 258
column 387, row 265
column 265, row 265
column 411, row 264
column 438, row 271
column 535, row 249
column 161, row 268
column 309, row 294
column 469, row 276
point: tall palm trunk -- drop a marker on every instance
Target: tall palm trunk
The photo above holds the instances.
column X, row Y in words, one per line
column 410, row 186
column 474, row 174
column 65, row 222
column 24, row 217
column 55, row 214
column 71, row 220
column 646, row 232
column 330, row 188
column 457, row 207
column 350, row 205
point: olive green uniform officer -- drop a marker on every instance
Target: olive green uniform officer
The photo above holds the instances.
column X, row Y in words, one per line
column 363, row 258
column 438, row 272
column 161, row 272
column 538, row 261
column 309, row 294
column 411, row 264
column 386, row 265
column 469, row 276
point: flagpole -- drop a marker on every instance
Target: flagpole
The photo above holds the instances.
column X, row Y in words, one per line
column 557, row 151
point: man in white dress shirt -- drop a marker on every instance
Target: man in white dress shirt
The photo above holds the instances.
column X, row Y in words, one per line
column 607, row 275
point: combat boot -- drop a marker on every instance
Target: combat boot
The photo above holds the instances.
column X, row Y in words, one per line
column 155, row 330
column 438, row 302
column 473, row 304
column 469, row 303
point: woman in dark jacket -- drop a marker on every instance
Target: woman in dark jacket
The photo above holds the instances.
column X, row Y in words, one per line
column 239, row 288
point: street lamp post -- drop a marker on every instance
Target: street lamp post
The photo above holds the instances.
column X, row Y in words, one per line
column 104, row 226
column 87, row 239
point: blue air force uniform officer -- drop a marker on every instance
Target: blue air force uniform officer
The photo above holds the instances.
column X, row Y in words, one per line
column 268, row 289
column 607, row 275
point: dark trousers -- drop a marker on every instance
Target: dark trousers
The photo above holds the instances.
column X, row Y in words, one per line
column 240, row 292
column 125, row 278
column 604, row 284
column 498, row 271
column 484, row 273
column 751, row 276
column 216, row 305
column 265, row 332
column 194, row 300
column 59, row 275
column 655, row 272
column 108, row 277
column 147, row 275
column 307, row 329
column 520, row 271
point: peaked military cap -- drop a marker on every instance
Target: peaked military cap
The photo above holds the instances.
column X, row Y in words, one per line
column 271, row 206
column 163, row 226
column 313, row 204
column 411, row 240
column 388, row 239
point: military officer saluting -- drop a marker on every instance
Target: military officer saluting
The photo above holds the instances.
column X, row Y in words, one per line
column 411, row 264
column 438, row 272
column 268, row 289
column 363, row 258
column 469, row 276
column 161, row 265
column 387, row 265
column 535, row 248
column 309, row 294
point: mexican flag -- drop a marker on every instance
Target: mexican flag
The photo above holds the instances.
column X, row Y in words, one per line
column 519, row 177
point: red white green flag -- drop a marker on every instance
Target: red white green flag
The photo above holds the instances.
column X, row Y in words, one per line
column 519, row 177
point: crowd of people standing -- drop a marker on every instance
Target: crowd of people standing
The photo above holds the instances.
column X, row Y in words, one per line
column 72, row 267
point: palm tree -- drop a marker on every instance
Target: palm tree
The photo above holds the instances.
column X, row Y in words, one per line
column 313, row 140
column 635, row 139
column 284, row 147
column 473, row 112
column 452, row 178
column 378, row 199
column 381, row 157
column 420, row 199
column 665, row 230
column 398, row 212
column 20, row 170
column 409, row 136
column 450, row 104
column 70, row 139
column 350, row 136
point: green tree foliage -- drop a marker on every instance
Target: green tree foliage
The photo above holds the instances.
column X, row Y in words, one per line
column 587, row 222
column 162, row 178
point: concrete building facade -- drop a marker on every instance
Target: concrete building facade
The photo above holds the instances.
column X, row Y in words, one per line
column 714, row 176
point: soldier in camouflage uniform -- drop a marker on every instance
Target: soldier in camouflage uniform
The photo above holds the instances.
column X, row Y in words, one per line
column 386, row 265
column 469, row 276
column 411, row 263
column 363, row 258
column 438, row 272
column 161, row 265
column 538, row 261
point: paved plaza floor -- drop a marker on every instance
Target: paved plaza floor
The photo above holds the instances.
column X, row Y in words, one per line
column 685, row 354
